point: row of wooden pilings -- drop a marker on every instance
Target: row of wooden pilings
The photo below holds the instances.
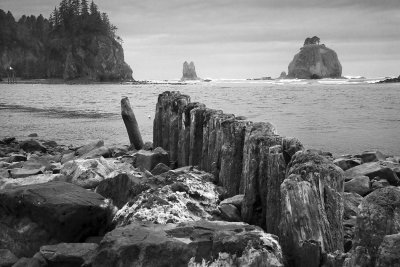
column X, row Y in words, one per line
column 245, row 157
column 293, row 193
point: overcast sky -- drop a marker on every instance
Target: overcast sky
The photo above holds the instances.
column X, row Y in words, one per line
column 245, row 38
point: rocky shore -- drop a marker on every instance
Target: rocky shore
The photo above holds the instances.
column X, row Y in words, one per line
column 213, row 189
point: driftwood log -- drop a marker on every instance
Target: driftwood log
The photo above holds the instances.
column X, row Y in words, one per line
column 131, row 124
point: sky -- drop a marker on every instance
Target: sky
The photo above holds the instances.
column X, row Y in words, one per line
column 245, row 38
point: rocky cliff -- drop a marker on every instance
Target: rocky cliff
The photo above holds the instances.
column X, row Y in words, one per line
column 96, row 58
column 315, row 61
column 84, row 47
column 189, row 72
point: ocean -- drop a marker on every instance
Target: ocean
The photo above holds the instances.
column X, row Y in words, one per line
column 339, row 116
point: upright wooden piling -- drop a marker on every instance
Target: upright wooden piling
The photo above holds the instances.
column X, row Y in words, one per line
column 131, row 125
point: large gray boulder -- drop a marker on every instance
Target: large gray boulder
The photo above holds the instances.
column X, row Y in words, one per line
column 188, row 244
column 379, row 216
column 35, row 215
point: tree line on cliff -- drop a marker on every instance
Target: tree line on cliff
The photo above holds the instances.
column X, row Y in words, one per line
column 37, row 47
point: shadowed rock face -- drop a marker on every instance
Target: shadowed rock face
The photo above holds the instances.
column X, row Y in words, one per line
column 315, row 62
column 189, row 72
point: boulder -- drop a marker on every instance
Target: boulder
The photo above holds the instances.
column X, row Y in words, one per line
column 359, row 257
column 389, row 251
column 121, row 188
column 32, row 146
column 345, row 163
column 31, row 262
column 21, row 173
column 89, row 147
column 7, row 258
column 16, row 158
column 35, row 215
column 359, row 185
column 188, row 244
column 381, row 183
column 34, row 179
column 351, row 202
column 230, row 213
column 189, row 72
column 315, row 62
column 69, row 254
column 42, row 162
column 33, row 135
column 372, row 156
column 373, row 169
column 312, row 208
column 379, row 216
column 146, row 159
column 236, row 200
column 97, row 153
column 178, row 198
column 87, row 173
column 160, row 168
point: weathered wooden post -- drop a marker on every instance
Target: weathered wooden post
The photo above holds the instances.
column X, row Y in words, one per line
column 131, row 125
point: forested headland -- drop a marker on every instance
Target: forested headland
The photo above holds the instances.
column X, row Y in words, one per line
column 76, row 41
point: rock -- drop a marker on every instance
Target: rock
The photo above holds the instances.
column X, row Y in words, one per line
column 283, row 75
column 32, row 146
column 381, row 183
column 373, row 169
column 30, row 180
column 33, row 135
column 16, row 158
column 182, row 197
column 148, row 146
column 389, row 251
column 35, row 215
column 149, row 159
column 67, row 157
column 379, row 216
column 160, row 168
column 235, row 200
column 87, row 173
column 122, row 188
column 69, row 254
column 346, row 164
column 359, row 257
column 372, row 156
column 230, row 213
column 42, row 162
column 7, row 258
column 312, row 207
column 315, row 61
column 9, row 140
column 89, row 147
column 351, row 202
column 104, row 152
column 390, row 80
column 31, row 262
column 50, row 143
column 189, row 72
column 188, row 244
column 359, row 185
column 21, row 173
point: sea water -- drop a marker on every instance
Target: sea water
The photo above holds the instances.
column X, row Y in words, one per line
column 340, row 116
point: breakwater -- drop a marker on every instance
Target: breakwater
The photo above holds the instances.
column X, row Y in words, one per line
column 245, row 157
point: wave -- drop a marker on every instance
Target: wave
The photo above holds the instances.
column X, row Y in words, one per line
column 58, row 112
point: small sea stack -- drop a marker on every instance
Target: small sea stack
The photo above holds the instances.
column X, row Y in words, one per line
column 189, row 72
column 315, row 61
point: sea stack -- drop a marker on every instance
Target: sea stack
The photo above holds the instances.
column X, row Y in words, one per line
column 189, row 72
column 315, row 61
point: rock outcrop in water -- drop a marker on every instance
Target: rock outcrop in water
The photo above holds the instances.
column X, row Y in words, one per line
column 189, row 72
column 315, row 61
